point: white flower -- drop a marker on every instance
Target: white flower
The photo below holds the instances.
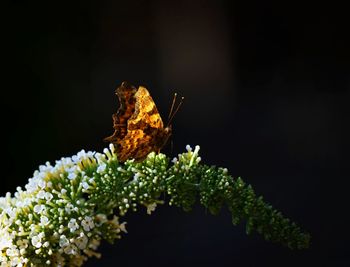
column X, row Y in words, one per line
column 72, row 176
column 22, row 243
column 151, row 208
column 101, row 158
column 136, row 176
column 122, row 227
column 70, row 249
column 4, row 202
column 16, row 261
column 101, row 218
column 63, row 191
column 44, row 221
column 12, row 252
column 41, row 183
column 101, row 168
column 115, row 220
column 39, row 208
column 85, row 185
column 5, row 240
column 94, row 243
column 3, row 260
column 196, row 150
column 73, row 225
column 82, row 155
column 87, row 223
column 11, row 212
column 63, row 241
column 36, row 241
column 68, row 208
column 112, row 148
column 48, row 196
column 41, row 194
column 81, row 241
column 54, row 200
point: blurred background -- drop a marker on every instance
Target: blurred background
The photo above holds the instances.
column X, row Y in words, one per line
column 266, row 87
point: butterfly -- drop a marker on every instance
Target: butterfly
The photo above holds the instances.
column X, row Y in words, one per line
column 138, row 126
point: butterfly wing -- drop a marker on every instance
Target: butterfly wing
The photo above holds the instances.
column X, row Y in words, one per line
column 145, row 129
column 146, row 114
column 136, row 145
column 138, row 127
column 127, row 101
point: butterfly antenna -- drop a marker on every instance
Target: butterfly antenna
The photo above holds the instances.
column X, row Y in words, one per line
column 176, row 110
column 172, row 106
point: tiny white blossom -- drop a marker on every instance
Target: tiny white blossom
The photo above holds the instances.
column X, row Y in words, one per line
column 41, row 183
column 11, row 212
column 188, row 148
column 5, row 240
column 16, row 261
column 112, row 148
column 69, row 207
column 72, row 176
column 136, row 176
column 22, row 243
column 12, row 252
column 44, row 221
column 196, row 150
column 41, row 194
column 73, row 225
column 101, row 168
column 70, row 249
column 48, row 196
column 36, row 241
column 87, row 223
column 63, row 241
column 151, row 208
column 81, row 241
column 39, row 208
column 85, row 185
column 101, row 218
column 122, row 227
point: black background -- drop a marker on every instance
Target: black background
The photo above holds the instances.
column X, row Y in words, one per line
column 267, row 94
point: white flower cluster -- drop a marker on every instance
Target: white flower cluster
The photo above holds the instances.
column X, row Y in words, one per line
column 64, row 211
column 52, row 222
column 188, row 159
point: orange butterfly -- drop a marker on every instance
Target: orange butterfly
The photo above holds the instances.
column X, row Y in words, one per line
column 138, row 127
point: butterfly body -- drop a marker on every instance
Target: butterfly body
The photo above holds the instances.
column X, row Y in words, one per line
column 138, row 126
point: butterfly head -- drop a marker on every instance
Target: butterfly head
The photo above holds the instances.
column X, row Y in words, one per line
column 165, row 135
column 168, row 131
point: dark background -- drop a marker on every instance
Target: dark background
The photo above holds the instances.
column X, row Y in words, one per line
column 267, row 94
